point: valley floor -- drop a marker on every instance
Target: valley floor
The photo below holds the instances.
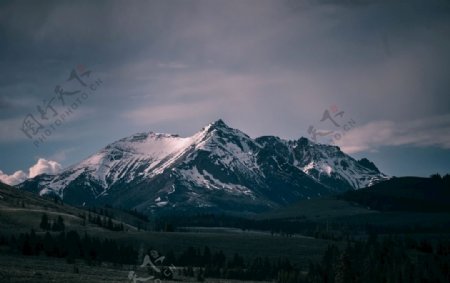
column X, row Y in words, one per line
column 26, row 269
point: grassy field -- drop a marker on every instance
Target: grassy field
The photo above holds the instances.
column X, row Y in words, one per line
column 299, row 250
column 20, row 212
column 19, row 269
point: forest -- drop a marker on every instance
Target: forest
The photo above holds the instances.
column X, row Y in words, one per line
column 377, row 259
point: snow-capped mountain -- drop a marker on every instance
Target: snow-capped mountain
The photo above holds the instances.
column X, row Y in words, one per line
column 218, row 168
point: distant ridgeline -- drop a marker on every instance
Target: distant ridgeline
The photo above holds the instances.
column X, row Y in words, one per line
column 218, row 169
column 405, row 194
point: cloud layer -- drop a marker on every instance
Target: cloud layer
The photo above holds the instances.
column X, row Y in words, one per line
column 13, row 179
column 432, row 131
column 264, row 66
column 42, row 166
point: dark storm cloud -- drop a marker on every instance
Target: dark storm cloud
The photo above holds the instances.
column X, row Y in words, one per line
column 174, row 66
column 3, row 103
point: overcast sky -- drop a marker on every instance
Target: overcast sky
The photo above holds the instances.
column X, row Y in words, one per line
column 264, row 67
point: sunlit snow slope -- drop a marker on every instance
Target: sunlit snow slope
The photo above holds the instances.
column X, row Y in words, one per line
column 218, row 168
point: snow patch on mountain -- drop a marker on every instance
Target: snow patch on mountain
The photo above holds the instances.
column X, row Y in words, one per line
column 170, row 170
column 206, row 180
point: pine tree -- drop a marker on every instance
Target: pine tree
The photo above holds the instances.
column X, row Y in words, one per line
column 44, row 222
column 200, row 275
column 48, row 244
column 59, row 224
column 110, row 224
column 206, row 258
column 343, row 269
column 26, row 246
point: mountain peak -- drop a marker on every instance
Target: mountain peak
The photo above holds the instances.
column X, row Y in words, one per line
column 216, row 125
column 219, row 123
column 217, row 165
column 303, row 141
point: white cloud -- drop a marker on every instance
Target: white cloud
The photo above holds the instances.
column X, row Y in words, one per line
column 42, row 166
column 430, row 131
column 14, row 179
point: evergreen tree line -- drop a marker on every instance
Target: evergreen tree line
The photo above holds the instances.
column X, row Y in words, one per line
column 195, row 262
column 105, row 222
column 393, row 260
column 444, row 179
column 288, row 227
column 137, row 214
column 107, row 213
column 204, row 263
column 390, row 260
column 70, row 245
column 101, row 211
column 58, row 225
column 275, row 226
column 52, row 225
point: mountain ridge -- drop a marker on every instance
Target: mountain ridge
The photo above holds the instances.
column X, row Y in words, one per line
column 218, row 168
